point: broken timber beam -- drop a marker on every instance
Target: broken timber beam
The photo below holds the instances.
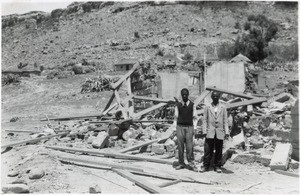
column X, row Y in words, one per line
column 140, row 182
column 139, row 114
column 134, row 121
column 246, row 102
column 33, row 140
column 114, row 155
column 169, row 183
column 151, row 99
column 230, row 92
column 71, row 117
column 95, row 164
column 138, row 146
column 201, row 97
column 112, row 97
column 121, row 80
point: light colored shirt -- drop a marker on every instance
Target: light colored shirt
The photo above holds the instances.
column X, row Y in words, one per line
column 195, row 121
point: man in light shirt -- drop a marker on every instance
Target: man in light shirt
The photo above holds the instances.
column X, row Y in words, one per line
column 185, row 122
column 215, row 129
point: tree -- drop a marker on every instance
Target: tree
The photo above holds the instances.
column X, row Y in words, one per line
column 259, row 32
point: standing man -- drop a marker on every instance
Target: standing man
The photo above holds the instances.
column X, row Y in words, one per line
column 215, row 129
column 185, row 122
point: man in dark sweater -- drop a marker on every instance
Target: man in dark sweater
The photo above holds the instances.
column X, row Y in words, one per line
column 185, row 123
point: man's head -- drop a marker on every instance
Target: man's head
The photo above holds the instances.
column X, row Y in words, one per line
column 215, row 96
column 185, row 94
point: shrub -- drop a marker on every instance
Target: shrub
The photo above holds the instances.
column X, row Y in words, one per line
column 57, row 13
column 260, row 32
column 237, row 25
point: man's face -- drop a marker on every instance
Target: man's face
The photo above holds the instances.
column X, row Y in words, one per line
column 215, row 97
column 185, row 96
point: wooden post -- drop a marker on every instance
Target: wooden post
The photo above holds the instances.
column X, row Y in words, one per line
column 130, row 102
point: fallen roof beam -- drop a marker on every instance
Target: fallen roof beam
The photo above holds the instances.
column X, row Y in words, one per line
column 151, row 99
column 95, row 164
column 246, row 102
column 33, row 140
column 71, row 117
column 121, row 80
column 230, row 92
column 21, row 131
column 201, row 97
column 141, row 182
column 134, row 121
column 138, row 146
column 169, row 183
column 139, row 114
column 114, row 155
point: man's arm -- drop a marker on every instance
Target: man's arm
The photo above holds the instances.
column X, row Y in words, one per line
column 204, row 121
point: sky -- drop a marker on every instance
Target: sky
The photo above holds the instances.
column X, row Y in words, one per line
column 24, row 6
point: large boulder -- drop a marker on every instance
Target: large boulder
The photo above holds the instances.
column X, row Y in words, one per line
column 15, row 188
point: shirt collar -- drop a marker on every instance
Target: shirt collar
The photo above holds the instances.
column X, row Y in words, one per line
column 187, row 103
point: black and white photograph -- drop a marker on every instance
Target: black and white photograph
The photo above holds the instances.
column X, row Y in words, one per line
column 139, row 97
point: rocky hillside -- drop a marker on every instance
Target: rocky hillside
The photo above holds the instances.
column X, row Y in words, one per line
column 105, row 32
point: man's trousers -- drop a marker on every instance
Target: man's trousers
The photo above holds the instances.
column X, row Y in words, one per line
column 209, row 146
column 185, row 135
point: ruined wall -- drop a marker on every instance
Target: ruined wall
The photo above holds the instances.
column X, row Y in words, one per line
column 228, row 76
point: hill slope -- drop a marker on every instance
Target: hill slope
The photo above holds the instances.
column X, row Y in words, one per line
column 106, row 33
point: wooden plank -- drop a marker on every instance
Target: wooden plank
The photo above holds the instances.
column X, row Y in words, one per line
column 167, row 176
column 169, row 183
column 22, row 131
column 129, row 106
column 33, row 140
column 109, row 102
column 141, row 182
column 151, row 99
column 97, row 164
column 287, row 173
column 138, row 146
column 114, row 155
column 139, row 114
column 134, row 121
column 109, row 109
column 246, row 102
column 71, row 117
column 230, row 92
column 201, row 97
column 121, row 80
column 125, row 115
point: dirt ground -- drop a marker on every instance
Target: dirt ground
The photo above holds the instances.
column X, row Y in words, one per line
column 37, row 97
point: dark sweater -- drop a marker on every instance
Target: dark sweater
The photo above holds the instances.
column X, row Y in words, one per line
column 185, row 114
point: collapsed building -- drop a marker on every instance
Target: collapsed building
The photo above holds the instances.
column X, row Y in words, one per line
column 263, row 130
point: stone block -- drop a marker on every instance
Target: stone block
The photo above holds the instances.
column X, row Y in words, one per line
column 170, row 145
column 36, row 173
column 15, row 188
column 95, row 190
column 281, row 156
column 264, row 160
column 112, row 130
column 158, row 148
column 101, row 140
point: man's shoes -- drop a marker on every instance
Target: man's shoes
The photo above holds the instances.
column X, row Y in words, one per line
column 203, row 169
column 179, row 167
column 218, row 170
